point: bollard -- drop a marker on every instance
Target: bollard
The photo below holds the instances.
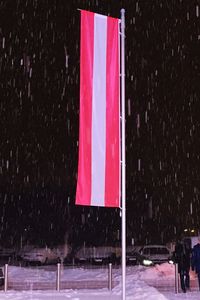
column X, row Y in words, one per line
column 176, row 279
column 58, row 278
column 110, row 277
column 5, row 277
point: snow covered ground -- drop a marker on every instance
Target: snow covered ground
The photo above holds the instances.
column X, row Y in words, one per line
column 138, row 281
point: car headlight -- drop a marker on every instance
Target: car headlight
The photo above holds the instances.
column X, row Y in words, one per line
column 170, row 261
column 147, row 262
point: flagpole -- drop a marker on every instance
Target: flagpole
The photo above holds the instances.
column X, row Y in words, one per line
column 123, row 154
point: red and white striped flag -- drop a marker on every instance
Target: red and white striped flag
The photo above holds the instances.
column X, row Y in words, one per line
column 99, row 130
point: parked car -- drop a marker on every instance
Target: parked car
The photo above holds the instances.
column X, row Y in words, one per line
column 62, row 251
column 20, row 252
column 95, row 255
column 131, row 255
column 40, row 255
column 7, row 253
column 154, row 254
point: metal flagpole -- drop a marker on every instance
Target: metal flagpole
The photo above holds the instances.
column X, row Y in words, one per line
column 123, row 154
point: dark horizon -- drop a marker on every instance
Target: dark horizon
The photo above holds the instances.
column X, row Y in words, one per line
column 39, row 117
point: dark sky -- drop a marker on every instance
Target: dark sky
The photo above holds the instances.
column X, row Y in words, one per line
column 39, row 120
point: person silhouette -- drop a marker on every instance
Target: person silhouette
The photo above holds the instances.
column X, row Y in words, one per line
column 196, row 259
column 183, row 259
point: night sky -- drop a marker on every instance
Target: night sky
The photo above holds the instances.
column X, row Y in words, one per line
column 39, row 122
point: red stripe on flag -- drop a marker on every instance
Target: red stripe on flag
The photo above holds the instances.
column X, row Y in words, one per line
column 83, row 191
column 112, row 174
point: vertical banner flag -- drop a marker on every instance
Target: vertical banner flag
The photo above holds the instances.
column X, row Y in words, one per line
column 98, row 181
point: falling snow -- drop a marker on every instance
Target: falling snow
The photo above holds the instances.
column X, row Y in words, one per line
column 39, row 118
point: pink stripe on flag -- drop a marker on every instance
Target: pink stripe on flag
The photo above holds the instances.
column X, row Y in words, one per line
column 83, row 191
column 112, row 174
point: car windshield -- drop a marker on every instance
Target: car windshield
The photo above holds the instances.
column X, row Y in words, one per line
column 153, row 251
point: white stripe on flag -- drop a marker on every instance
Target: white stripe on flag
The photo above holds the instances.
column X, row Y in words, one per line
column 99, row 111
